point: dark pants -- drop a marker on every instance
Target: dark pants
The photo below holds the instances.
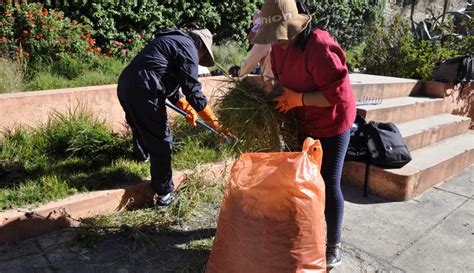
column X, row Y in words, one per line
column 334, row 152
column 152, row 137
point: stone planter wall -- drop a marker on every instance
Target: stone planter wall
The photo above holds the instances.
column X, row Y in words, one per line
column 34, row 108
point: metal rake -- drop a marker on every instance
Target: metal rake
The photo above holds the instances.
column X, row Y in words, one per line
column 369, row 100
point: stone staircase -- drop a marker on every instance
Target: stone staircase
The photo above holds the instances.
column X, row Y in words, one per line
column 440, row 143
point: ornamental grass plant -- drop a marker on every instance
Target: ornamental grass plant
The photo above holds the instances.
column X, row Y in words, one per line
column 11, row 76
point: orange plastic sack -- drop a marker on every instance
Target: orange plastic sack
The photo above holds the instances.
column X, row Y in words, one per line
column 272, row 215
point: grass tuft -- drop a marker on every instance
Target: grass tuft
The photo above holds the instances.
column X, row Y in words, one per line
column 229, row 54
column 195, row 146
column 45, row 189
column 11, row 76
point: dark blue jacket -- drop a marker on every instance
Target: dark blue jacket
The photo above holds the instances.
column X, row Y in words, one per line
column 168, row 62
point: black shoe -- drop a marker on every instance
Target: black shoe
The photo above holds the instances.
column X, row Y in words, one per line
column 333, row 255
column 165, row 200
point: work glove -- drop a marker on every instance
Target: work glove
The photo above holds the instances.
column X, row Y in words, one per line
column 289, row 100
column 210, row 118
column 191, row 116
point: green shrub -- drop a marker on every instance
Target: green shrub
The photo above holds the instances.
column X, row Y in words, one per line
column 393, row 51
column 68, row 66
column 11, row 76
column 229, row 54
column 235, row 19
column 349, row 21
column 125, row 21
column 109, row 66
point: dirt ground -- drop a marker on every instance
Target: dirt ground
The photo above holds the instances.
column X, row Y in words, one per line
column 182, row 248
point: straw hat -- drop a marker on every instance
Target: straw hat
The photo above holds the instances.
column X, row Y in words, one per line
column 280, row 20
column 206, row 38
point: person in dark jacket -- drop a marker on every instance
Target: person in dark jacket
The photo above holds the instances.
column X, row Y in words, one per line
column 169, row 62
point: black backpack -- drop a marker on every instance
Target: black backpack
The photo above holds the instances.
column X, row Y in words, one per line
column 377, row 143
column 456, row 70
column 386, row 146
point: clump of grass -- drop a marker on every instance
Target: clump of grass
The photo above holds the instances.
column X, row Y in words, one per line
column 249, row 113
column 76, row 148
column 79, row 133
column 229, row 54
column 44, row 80
column 11, row 76
column 70, row 72
column 45, row 189
column 194, row 146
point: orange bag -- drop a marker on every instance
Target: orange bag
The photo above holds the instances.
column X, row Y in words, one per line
column 272, row 216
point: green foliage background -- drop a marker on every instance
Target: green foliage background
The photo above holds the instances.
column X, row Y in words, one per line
column 349, row 21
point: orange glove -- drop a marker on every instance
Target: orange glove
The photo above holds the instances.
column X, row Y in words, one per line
column 289, row 100
column 210, row 118
column 191, row 116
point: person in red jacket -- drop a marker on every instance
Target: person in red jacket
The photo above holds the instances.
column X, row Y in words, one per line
column 311, row 67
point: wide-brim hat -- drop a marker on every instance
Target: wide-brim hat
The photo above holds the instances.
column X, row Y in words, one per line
column 280, row 20
column 206, row 38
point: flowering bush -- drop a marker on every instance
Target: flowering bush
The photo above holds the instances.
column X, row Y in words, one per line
column 123, row 20
column 40, row 35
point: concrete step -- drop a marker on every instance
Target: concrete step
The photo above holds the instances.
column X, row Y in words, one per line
column 366, row 85
column 430, row 166
column 426, row 131
column 402, row 109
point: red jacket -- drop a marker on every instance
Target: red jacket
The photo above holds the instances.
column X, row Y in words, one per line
column 321, row 67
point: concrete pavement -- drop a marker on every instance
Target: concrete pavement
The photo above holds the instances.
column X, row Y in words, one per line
column 431, row 233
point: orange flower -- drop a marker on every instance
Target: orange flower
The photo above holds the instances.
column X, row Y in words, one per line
column 45, row 12
column 25, row 32
column 98, row 49
column 62, row 41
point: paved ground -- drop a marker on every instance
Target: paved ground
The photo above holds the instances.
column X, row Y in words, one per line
column 433, row 233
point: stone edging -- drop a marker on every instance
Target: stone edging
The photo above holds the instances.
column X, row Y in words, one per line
column 21, row 224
